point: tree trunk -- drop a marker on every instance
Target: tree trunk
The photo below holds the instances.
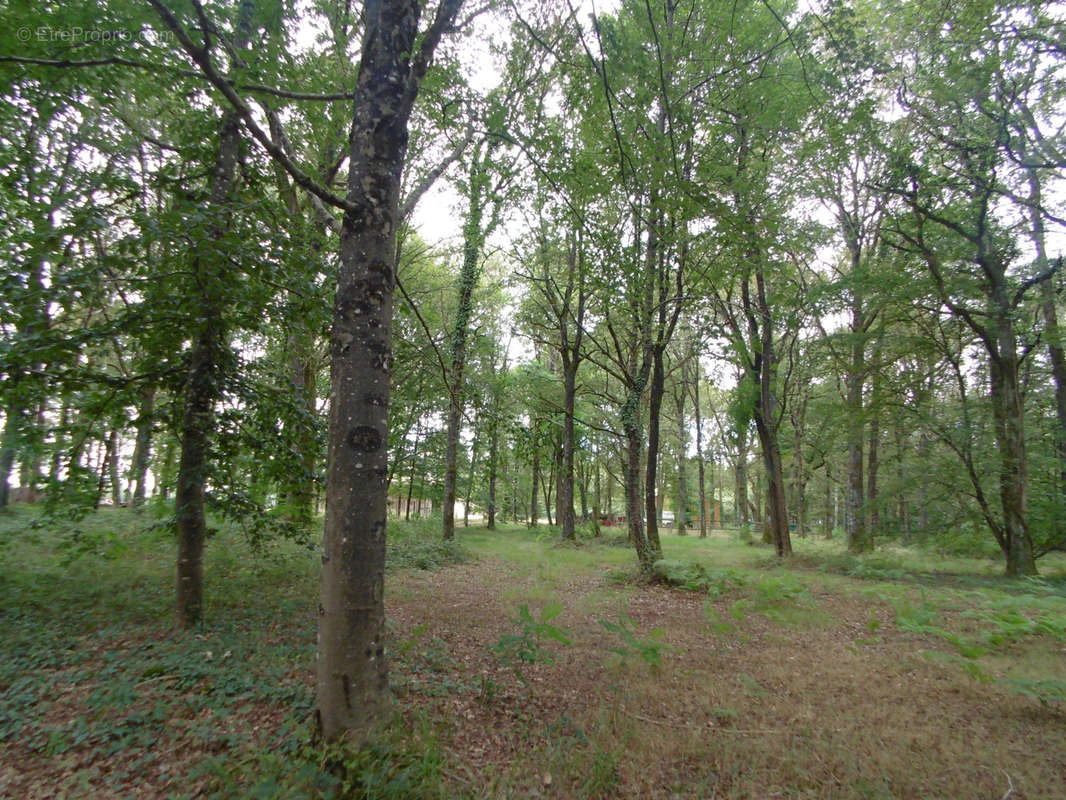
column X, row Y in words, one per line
column 473, row 236
column 854, row 519
column 699, row 454
column 634, row 512
column 1008, row 412
column 8, row 447
column 828, row 505
column 114, row 467
column 655, row 402
column 203, row 379
column 565, row 501
column 494, row 455
column 470, row 481
column 352, row 670
column 143, row 448
column 1052, row 332
column 534, row 513
column 682, row 445
column 872, row 465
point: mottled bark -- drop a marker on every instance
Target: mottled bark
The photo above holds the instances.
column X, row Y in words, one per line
column 352, row 669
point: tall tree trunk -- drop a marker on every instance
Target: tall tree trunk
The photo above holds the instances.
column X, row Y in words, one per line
column 473, row 236
column 470, row 481
column 655, row 402
column 596, row 507
column 352, row 670
column 1052, row 331
column 565, row 502
column 854, row 519
column 203, row 379
column 634, row 512
column 494, row 455
column 682, row 445
column 828, row 504
column 699, row 453
column 548, row 485
column 872, row 465
column 534, row 513
column 741, row 489
column 411, row 475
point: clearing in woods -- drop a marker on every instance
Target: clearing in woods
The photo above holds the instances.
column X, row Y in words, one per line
column 532, row 669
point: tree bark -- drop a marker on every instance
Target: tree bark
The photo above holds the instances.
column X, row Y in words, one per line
column 473, row 236
column 682, row 445
column 203, row 378
column 352, row 670
column 143, row 448
column 872, row 465
column 655, row 402
column 854, row 521
column 699, row 453
column 534, row 512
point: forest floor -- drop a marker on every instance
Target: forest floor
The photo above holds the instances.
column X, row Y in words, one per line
column 533, row 669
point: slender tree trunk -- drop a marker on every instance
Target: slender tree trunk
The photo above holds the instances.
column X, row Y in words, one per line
column 682, row 445
column 799, row 482
column 901, row 494
column 534, row 513
column 741, row 489
column 470, row 481
column 923, row 488
column 494, row 453
column 565, row 502
column 872, row 465
column 699, row 454
column 854, row 520
column 828, row 505
column 114, row 467
column 634, row 512
column 203, row 379
column 473, row 236
column 596, row 507
column 411, row 475
column 143, row 448
column 655, row 402
column 548, row 484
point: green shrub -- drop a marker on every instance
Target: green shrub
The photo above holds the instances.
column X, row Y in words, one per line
column 966, row 540
column 695, row 577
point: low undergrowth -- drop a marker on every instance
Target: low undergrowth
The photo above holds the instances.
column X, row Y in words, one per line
column 518, row 670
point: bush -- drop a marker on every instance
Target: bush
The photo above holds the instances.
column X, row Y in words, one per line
column 967, row 540
column 418, row 545
column 695, row 577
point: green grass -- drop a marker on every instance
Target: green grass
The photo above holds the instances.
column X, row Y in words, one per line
column 99, row 690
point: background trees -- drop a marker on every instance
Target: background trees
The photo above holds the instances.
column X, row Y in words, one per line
column 806, row 262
